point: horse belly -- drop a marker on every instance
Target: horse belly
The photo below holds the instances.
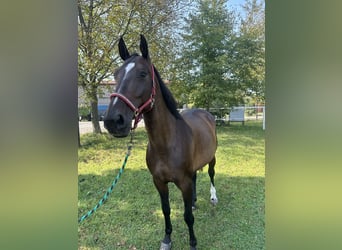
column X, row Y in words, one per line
column 204, row 152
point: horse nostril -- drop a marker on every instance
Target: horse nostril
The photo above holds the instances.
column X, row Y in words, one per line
column 116, row 125
column 119, row 120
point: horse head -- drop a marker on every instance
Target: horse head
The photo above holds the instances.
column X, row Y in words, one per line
column 134, row 93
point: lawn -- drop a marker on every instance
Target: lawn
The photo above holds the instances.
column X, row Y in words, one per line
column 132, row 216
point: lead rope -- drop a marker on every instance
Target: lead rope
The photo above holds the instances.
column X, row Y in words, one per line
column 110, row 189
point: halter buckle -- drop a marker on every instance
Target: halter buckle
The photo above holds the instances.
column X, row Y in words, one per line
column 152, row 102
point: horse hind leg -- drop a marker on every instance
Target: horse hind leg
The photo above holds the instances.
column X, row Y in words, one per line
column 211, row 172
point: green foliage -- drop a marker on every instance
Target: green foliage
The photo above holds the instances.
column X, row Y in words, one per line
column 213, row 62
column 83, row 111
column 222, row 60
column 132, row 217
column 249, row 51
column 249, row 67
column 206, row 37
column 101, row 23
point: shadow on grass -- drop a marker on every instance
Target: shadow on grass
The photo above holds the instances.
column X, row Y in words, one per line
column 132, row 217
column 106, row 141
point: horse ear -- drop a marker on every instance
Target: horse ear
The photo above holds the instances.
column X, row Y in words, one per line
column 123, row 51
column 144, row 47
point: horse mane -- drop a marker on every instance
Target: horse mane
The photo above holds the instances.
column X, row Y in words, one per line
column 169, row 100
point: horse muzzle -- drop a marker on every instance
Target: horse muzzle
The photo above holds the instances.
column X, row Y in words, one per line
column 118, row 125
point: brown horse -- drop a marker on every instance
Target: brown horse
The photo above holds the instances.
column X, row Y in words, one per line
column 179, row 144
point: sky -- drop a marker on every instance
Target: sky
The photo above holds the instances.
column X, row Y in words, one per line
column 236, row 5
column 235, row 2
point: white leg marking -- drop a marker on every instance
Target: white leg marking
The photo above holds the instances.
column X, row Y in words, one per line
column 164, row 246
column 213, row 198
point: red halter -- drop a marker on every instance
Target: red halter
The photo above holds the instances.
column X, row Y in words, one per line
column 138, row 112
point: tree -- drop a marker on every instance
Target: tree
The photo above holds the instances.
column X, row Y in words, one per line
column 222, row 60
column 95, row 48
column 207, row 36
column 249, row 51
column 102, row 22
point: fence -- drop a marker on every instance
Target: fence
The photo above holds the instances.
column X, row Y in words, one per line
column 239, row 114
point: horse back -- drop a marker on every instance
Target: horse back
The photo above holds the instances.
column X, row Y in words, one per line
column 203, row 127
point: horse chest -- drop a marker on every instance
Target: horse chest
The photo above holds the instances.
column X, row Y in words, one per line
column 168, row 164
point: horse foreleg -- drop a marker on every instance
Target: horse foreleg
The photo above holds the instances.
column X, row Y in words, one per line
column 186, row 188
column 211, row 172
column 194, row 195
column 165, row 204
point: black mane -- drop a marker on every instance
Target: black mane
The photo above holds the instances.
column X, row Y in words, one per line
column 167, row 96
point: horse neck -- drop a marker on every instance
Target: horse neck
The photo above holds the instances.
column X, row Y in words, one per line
column 159, row 122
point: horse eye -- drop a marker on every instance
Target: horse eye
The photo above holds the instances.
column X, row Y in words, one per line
column 142, row 74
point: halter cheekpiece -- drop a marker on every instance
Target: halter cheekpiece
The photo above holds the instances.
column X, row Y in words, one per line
column 145, row 107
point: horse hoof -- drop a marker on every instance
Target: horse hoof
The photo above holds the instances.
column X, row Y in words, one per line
column 214, row 201
column 193, row 248
column 213, row 197
column 165, row 246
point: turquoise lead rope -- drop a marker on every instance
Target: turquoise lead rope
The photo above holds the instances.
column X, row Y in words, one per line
column 110, row 189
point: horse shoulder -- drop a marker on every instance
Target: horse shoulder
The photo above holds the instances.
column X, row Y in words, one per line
column 203, row 127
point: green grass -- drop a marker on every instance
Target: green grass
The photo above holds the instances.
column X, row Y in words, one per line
column 132, row 216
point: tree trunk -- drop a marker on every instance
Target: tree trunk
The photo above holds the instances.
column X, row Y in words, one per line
column 207, row 106
column 79, row 139
column 94, row 112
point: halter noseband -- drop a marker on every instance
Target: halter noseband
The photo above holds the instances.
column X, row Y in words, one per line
column 138, row 112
